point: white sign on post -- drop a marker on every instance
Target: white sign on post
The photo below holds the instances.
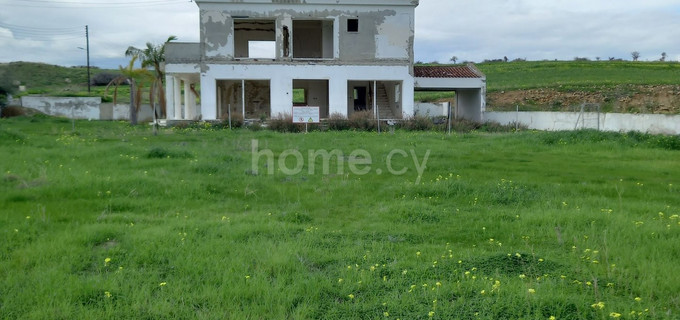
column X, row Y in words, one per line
column 306, row 115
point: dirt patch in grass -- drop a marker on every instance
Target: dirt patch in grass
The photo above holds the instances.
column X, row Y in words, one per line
column 663, row 99
column 17, row 111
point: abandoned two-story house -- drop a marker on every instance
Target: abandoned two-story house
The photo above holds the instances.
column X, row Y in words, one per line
column 259, row 58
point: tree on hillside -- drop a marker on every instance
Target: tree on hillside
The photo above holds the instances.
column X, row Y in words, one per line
column 154, row 55
column 635, row 55
column 454, row 59
column 663, row 57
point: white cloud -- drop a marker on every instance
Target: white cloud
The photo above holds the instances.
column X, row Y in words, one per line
column 471, row 30
column 112, row 30
column 477, row 30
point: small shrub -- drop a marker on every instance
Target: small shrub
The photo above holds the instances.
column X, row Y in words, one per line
column 513, row 265
column 162, row 153
column 255, row 126
column 507, row 192
column 462, row 125
column 298, row 218
column 284, row 123
column 362, row 120
column 338, row 122
column 665, row 142
column 236, row 120
column 417, row 123
column 493, row 126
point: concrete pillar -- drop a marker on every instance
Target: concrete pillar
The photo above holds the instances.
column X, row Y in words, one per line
column 177, row 93
column 169, row 97
column 469, row 103
column 208, row 98
column 337, row 96
column 407, row 97
column 219, row 102
column 189, row 102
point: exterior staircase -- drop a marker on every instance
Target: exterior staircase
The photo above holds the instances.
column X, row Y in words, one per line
column 384, row 110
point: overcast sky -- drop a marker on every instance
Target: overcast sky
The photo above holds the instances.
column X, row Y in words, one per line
column 52, row 31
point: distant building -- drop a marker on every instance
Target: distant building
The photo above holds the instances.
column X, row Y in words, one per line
column 259, row 58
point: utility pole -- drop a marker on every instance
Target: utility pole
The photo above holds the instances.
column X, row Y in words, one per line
column 87, row 39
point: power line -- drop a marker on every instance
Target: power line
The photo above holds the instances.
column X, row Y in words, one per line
column 40, row 29
column 41, row 34
column 39, row 39
column 90, row 5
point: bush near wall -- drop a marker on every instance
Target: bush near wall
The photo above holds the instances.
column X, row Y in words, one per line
column 284, row 123
column 338, row 122
column 417, row 123
column 236, row 121
column 362, row 121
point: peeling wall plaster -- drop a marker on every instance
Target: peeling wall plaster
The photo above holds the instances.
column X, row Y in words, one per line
column 383, row 33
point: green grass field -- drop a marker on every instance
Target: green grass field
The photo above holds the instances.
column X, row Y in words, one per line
column 578, row 75
column 111, row 222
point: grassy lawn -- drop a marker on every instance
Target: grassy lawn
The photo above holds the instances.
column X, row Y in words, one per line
column 111, row 222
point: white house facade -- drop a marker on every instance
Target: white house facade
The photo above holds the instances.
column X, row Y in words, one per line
column 259, row 58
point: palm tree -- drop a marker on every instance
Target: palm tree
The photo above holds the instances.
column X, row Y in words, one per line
column 138, row 79
column 154, row 55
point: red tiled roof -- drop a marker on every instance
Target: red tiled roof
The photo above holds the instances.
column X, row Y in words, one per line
column 446, row 72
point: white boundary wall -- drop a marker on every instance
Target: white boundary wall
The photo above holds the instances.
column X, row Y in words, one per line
column 621, row 122
column 89, row 108
column 428, row 109
column 70, row 107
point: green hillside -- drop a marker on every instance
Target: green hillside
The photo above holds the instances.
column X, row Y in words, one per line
column 41, row 78
column 41, row 75
column 579, row 75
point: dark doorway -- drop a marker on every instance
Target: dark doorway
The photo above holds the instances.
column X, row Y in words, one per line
column 359, row 98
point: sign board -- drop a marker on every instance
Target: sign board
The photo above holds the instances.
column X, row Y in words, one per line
column 306, row 115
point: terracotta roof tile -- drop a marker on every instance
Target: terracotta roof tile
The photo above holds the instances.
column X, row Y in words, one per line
column 445, row 72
